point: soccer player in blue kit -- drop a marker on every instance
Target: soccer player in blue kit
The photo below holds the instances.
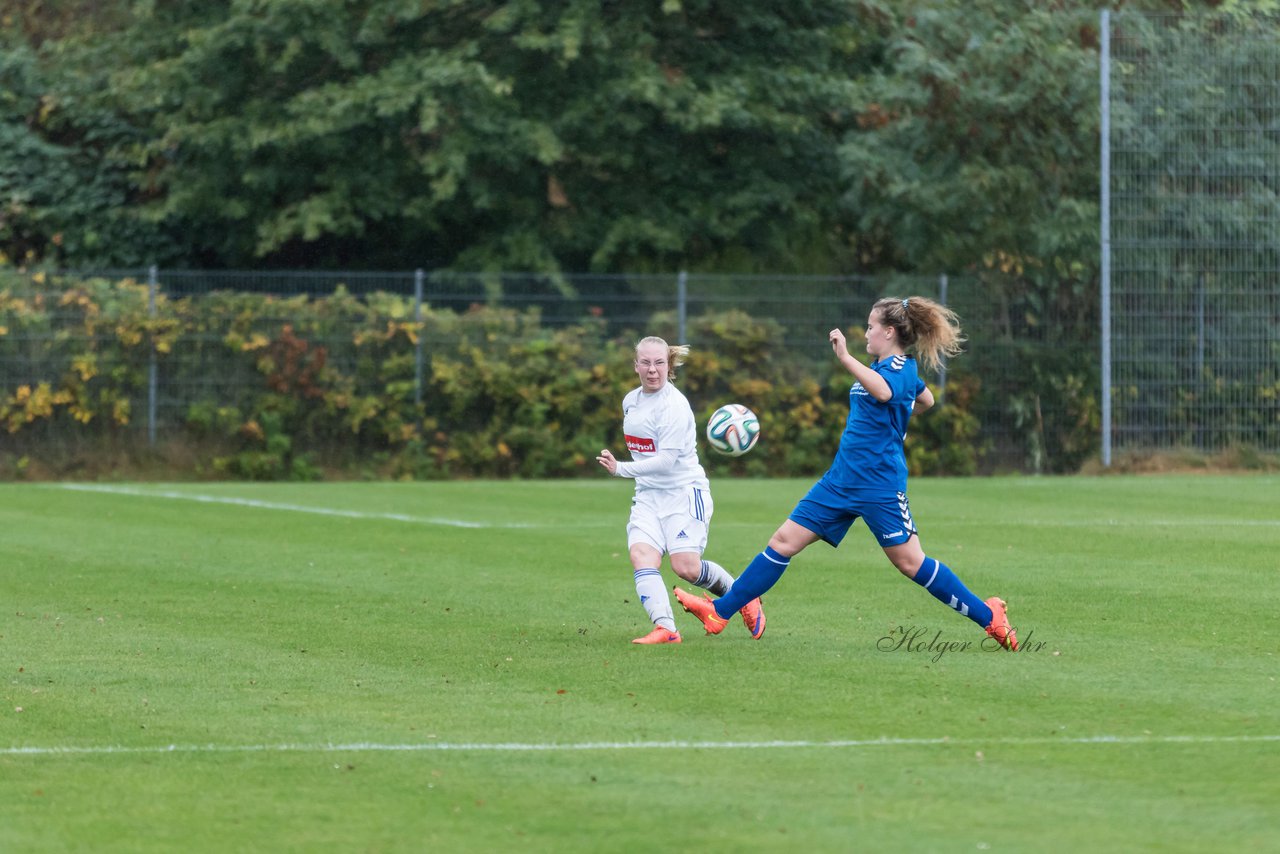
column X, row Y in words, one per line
column 868, row 477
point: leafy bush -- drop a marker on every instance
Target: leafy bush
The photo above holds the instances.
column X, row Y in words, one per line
column 265, row 388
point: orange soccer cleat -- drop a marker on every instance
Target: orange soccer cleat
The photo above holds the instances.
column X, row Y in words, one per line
column 703, row 610
column 660, row 635
column 1000, row 628
column 753, row 616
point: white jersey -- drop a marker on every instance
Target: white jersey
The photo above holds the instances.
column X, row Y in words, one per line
column 662, row 422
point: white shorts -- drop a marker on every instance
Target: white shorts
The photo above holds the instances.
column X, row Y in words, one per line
column 671, row 520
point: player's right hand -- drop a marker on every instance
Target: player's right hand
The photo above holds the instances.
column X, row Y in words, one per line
column 838, row 345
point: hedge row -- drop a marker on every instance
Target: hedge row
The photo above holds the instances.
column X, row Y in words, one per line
column 258, row 387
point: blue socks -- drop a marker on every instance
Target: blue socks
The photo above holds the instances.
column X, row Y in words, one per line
column 767, row 567
column 761, row 574
column 943, row 585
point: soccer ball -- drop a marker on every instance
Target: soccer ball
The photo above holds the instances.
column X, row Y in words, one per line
column 733, row 430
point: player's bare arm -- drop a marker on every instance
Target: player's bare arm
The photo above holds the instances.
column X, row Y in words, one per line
column 924, row 400
column 871, row 381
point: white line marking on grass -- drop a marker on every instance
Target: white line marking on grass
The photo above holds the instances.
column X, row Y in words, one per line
column 1149, row 523
column 556, row 747
column 293, row 508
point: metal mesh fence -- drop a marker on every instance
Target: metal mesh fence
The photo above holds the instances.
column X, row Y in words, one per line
column 998, row 372
column 1194, row 207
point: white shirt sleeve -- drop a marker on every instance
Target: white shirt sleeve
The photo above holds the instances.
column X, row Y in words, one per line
column 660, row 463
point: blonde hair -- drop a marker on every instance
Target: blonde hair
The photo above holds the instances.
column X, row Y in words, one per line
column 931, row 328
column 675, row 355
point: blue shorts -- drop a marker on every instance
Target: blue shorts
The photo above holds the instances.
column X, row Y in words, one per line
column 829, row 514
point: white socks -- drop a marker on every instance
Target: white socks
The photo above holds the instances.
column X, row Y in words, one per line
column 714, row 578
column 654, row 597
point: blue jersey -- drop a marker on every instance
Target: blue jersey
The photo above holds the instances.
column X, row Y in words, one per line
column 870, row 460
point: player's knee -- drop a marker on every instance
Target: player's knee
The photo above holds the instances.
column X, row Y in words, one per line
column 784, row 543
column 687, row 565
column 904, row 568
column 643, row 556
column 906, row 560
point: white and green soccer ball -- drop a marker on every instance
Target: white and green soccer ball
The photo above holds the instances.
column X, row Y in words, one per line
column 733, row 430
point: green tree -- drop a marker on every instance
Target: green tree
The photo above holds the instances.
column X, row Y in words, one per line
column 65, row 196
column 544, row 136
column 1196, row 241
column 977, row 153
column 976, row 145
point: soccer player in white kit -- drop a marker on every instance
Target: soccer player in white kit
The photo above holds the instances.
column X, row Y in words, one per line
column 671, row 511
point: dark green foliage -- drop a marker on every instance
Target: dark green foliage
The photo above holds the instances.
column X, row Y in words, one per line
column 976, row 145
column 566, row 135
column 67, row 192
column 817, row 135
column 1196, row 314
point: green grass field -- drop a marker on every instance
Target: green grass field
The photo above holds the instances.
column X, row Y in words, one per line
column 446, row 667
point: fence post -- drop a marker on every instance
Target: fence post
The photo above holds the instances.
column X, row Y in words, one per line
column 1200, row 347
column 152, row 368
column 418, row 277
column 942, row 365
column 682, row 305
column 1104, row 61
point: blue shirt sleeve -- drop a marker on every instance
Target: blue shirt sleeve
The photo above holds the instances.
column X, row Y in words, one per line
column 904, row 385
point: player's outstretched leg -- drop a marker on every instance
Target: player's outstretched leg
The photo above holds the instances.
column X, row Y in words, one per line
column 715, row 580
column 935, row 577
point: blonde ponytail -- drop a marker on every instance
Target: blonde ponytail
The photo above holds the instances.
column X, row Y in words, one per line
column 928, row 327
